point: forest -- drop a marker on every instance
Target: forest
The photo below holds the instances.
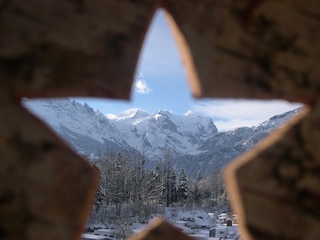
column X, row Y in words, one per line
column 130, row 191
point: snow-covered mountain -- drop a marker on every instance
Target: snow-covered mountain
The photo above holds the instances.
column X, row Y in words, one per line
column 89, row 132
column 151, row 134
column 192, row 140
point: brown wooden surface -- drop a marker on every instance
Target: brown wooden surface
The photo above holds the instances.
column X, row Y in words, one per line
column 231, row 48
column 71, row 48
column 45, row 189
column 250, row 48
column 278, row 183
column 160, row 229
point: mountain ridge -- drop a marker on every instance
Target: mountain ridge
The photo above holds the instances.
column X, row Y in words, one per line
column 192, row 140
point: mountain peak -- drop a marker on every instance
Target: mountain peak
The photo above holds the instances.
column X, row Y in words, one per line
column 161, row 113
column 130, row 114
column 135, row 131
column 189, row 113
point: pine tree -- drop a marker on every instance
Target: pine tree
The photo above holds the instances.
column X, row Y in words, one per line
column 119, row 182
column 170, row 190
column 182, row 186
column 169, row 193
column 146, row 190
column 173, row 188
column 156, row 182
column 196, row 193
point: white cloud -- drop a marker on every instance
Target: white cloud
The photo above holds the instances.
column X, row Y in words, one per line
column 141, row 85
column 230, row 114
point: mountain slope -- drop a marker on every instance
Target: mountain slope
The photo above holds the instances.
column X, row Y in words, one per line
column 225, row 146
column 89, row 132
column 153, row 133
column 192, row 140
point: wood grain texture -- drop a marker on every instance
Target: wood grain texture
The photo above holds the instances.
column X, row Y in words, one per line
column 45, row 189
column 71, row 48
column 250, row 49
column 263, row 49
column 160, row 229
column 275, row 187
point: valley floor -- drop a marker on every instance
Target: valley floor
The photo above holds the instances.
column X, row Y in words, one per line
column 195, row 222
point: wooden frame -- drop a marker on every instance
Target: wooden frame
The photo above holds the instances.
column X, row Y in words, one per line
column 265, row 49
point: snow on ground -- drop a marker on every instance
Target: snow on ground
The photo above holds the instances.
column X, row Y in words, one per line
column 198, row 217
column 191, row 221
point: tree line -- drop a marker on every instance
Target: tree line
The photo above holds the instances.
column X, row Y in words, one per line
column 129, row 187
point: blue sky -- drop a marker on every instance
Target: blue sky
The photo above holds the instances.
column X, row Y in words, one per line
column 161, row 83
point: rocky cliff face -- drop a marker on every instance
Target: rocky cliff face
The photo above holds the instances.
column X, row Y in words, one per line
column 191, row 140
